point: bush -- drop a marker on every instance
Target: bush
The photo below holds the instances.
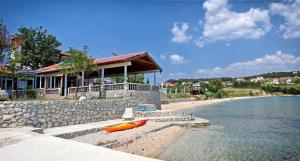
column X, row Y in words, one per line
column 251, row 93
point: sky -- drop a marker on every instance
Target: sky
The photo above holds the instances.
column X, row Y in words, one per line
column 188, row 39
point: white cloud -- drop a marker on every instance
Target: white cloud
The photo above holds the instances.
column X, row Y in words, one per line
column 227, row 44
column 179, row 32
column 223, row 24
column 270, row 63
column 163, row 57
column 177, row 59
column 291, row 13
column 177, row 75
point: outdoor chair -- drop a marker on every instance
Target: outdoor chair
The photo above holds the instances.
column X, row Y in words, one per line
column 128, row 114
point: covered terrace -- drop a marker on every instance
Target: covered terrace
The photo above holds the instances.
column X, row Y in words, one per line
column 53, row 81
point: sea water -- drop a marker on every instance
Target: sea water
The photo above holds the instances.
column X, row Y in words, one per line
column 258, row 129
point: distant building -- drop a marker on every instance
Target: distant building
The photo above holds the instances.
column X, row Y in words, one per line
column 275, row 81
column 227, row 84
column 241, row 79
column 168, row 84
column 285, row 80
column 195, row 88
column 256, row 79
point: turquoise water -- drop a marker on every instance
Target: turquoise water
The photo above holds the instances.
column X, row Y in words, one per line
column 261, row 129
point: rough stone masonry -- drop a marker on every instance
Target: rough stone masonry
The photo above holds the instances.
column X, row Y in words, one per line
column 53, row 113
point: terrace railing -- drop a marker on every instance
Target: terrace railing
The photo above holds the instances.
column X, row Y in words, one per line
column 23, row 94
column 118, row 86
column 94, row 88
column 139, row 87
column 53, row 91
column 79, row 89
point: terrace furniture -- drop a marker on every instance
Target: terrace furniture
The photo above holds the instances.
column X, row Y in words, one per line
column 128, row 114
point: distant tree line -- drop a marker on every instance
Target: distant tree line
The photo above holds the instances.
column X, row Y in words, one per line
column 246, row 84
column 267, row 75
column 285, row 90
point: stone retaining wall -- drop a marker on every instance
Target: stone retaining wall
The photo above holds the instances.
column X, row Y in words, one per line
column 45, row 114
column 147, row 97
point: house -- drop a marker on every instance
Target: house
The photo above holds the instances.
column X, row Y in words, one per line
column 23, row 79
column 168, row 84
column 285, row 80
column 241, row 79
column 227, row 83
column 275, row 81
column 52, row 81
column 195, row 88
column 256, row 79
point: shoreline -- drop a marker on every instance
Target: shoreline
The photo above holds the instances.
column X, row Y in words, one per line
column 185, row 105
column 151, row 145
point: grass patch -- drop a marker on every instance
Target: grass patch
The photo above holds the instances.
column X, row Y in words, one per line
column 178, row 95
column 242, row 92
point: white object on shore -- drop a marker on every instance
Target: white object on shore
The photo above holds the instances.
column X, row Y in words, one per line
column 82, row 98
column 128, row 114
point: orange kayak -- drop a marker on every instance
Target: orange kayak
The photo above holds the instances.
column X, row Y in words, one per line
column 125, row 126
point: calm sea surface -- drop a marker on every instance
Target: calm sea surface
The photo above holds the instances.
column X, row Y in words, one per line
column 261, row 129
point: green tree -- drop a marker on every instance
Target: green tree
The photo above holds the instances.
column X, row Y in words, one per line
column 5, row 45
column 77, row 62
column 39, row 48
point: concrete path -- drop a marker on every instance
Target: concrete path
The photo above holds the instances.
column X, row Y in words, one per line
column 49, row 148
column 82, row 129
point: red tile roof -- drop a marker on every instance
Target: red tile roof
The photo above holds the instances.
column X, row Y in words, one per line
column 120, row 58
column 101, row 61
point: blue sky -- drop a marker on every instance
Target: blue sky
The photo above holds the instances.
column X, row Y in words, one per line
column 189, row 39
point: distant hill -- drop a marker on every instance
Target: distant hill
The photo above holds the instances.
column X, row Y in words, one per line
column 278, row 74
column 266, row 75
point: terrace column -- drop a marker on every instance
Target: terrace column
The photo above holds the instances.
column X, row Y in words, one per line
column 40, row 82
column 46, row 82
column 125, row 77
column 35, row 81
column 61, row 84
column 61, row 81
column 54, row 80
column 82, row 78
column 154, row 78
column 66, row 84
column 50, row 82
column 102, row 76
column 12, row 85
column 5, row 84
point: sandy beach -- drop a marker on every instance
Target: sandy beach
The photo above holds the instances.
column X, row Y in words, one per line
column 184, row 105
column 148, row 140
